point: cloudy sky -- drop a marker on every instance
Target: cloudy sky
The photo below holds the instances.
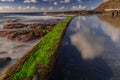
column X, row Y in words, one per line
column 46, row 5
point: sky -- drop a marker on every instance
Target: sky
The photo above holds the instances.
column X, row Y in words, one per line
column 47, row 5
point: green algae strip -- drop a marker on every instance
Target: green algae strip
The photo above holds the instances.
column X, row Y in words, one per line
column 42, row 54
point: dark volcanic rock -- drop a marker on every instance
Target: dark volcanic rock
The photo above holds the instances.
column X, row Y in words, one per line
column 4, row 61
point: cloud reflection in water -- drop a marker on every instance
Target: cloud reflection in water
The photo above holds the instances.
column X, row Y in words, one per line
column 86, row 41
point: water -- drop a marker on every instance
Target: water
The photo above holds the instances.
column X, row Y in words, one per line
column 27, row 18
column 90, row 50
column 14, row 50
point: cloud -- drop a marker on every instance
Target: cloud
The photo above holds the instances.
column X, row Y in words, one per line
column 42, row 9
column 92, row 8
column 27, row 8
column 30, row 1
column 6, row 8
column 51, row 9
column 55, row 3
column 65, row 1
column 78, row 0
column 78, row 7
column 7, row 0
column 61, row 8
column 18, row 9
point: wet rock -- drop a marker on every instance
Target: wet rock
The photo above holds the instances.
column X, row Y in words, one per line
column 22, row 45
column 4, row 61
column 14, row 26
column 3, row 52
column 11, row 21
column 17, row 38
column 3, row 33
column 10, row 36
column 37, row 31
column 19, row 25
column 26, row 37
column 37, row 26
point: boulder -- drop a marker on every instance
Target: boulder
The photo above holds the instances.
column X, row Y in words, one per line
column 4, row 61
column 26, row 37
column 11, row 36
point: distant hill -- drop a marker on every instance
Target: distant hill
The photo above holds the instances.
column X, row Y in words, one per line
column 110, row 4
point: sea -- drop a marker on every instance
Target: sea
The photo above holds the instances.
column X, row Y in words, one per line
column 37, row 17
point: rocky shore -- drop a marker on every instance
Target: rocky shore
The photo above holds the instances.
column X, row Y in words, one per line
column 21, row 33
column 41, row 57
column 25, row 32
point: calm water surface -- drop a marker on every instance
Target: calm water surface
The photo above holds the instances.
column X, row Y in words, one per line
column 90, row 50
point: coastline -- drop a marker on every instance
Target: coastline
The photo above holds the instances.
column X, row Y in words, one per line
column 9, row 74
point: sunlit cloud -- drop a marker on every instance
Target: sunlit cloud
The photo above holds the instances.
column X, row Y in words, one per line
column 61, row 8
column 30, row 1
column 6, row 8
column 64, row 1
column 55, row 3
column 50, row 9
column 18, row 9
column 78, row 7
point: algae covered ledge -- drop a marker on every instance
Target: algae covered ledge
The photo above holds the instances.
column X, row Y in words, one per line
column 38, row 64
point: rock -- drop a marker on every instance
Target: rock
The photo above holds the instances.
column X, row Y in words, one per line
column 19, row 25
column 37, row 31
column 3, row 52
column 26, row 37
column 14, row 26
column 11, row 21
column 35, row 77
column 10, row 36
column 18, row 46
column 17, row 38
column 3, row 33
column 4, row 61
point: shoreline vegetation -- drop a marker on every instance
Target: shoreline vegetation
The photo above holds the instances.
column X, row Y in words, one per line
column 38, row 63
